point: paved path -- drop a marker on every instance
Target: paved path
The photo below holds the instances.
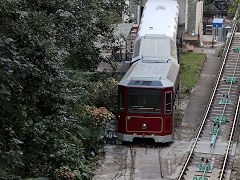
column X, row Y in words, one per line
column 142, row 164
column 203, row 89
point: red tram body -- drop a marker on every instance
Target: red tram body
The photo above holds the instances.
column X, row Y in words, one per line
column 148, row 89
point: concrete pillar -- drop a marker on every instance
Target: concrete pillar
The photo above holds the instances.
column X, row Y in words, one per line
column 191, row 17
column 199, row 17
column 182, row 11
column 186, row 14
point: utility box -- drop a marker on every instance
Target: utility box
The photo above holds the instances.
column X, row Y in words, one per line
column 218, row 29
column 217, row 22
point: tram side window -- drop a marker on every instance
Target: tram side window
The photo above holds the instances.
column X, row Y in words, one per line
column 121, row 105
column 168, row 102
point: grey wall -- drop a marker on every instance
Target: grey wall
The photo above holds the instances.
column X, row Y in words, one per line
column 191, row 22
column 182, row 11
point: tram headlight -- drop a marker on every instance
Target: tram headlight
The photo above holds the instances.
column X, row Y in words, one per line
column 144, row 126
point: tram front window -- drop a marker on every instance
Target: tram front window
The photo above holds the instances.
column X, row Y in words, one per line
column 143, row 100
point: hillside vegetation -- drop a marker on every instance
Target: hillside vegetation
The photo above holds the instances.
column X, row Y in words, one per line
column 52, row 114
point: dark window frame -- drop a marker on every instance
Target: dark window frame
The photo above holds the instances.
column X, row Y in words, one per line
column 167, row 110
column 148, row 91
column 121, row 107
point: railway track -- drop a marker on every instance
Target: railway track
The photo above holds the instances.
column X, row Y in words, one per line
column 151, row 167
column 210, row 157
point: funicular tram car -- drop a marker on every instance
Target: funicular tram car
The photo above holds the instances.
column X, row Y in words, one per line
column 148, row 89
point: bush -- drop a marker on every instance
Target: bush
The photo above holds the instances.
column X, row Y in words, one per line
column 104, row 94
column 40, row 135
column 43, row 132
column 100, row 116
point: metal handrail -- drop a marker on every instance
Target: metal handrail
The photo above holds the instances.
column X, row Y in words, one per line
column 230, row 139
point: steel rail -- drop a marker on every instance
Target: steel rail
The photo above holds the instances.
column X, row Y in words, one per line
column 133, row 162
column 223, row 111
column 160, row 163
column 230, row 139
column 212, row 96
column 228, row 96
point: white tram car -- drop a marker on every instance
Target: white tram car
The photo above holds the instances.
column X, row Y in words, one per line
column 148, row 89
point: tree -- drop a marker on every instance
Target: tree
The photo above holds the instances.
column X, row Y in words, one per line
column 73, row 26
column 232, row 7
column 39, row 135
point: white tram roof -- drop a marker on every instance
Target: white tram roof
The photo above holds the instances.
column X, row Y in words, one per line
column 155, row 51
column 155, row 48
column 150, row 75
column 160, row 17
column 156, row 40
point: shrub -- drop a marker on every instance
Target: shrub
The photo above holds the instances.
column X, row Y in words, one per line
column 104, row 94
column 100, row 116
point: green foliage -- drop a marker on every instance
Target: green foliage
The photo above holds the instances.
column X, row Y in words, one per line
column 191, row 65
column 100, row 116
column 104, row 94
column 232, row 7
column 37, row 135
column 43, row 126
column 94, row 88
column 73, row 27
